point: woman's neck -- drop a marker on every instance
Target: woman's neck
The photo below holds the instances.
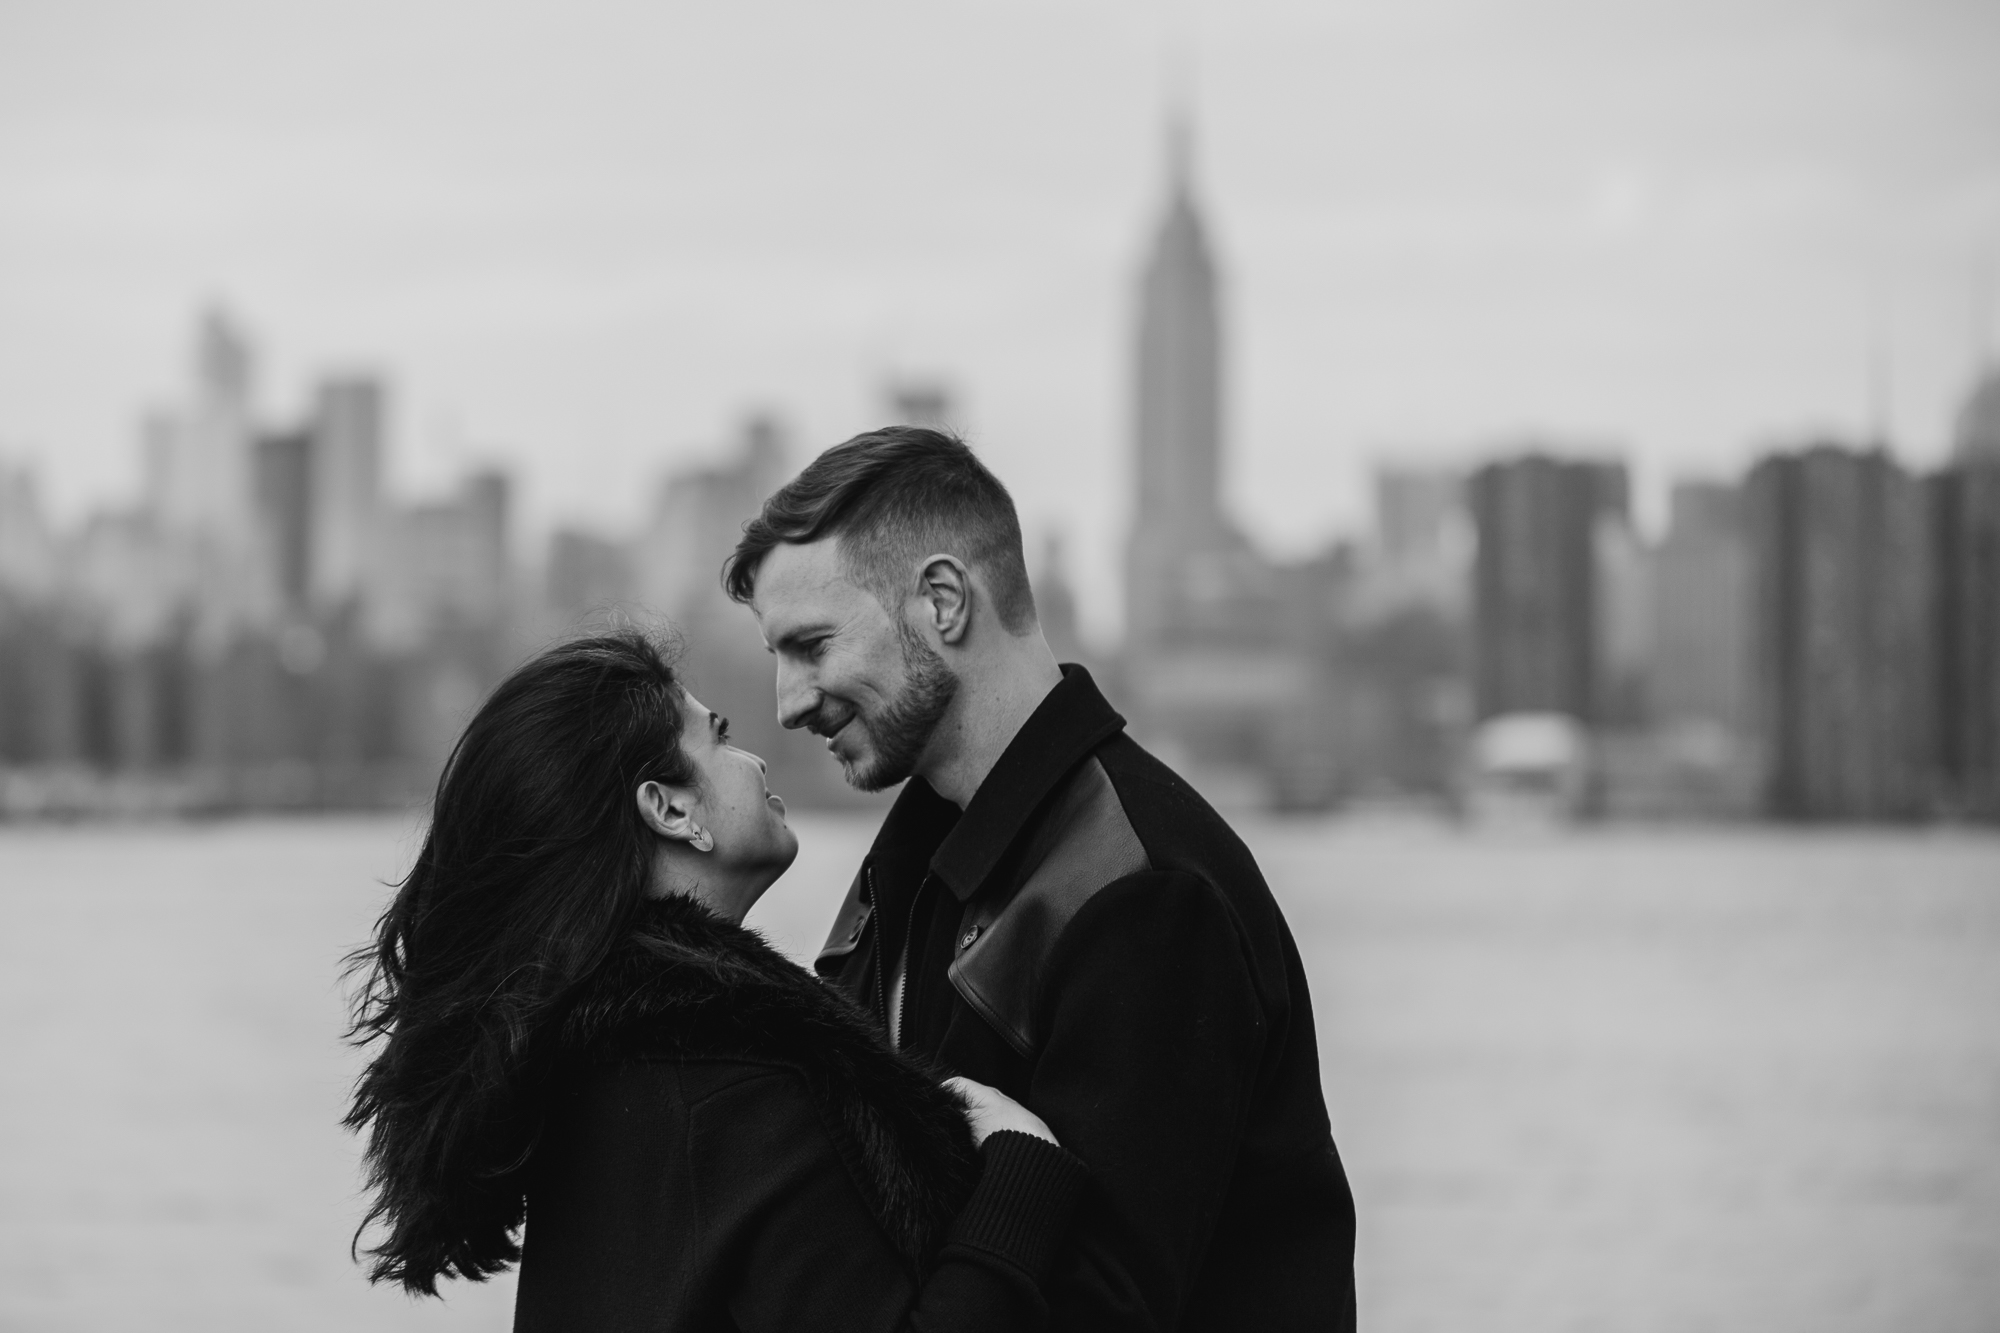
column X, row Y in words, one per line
column 689, row 875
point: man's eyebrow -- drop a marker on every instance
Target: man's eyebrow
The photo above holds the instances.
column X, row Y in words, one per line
column 791, row 637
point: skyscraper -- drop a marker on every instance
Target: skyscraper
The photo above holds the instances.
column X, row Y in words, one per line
column 1965, row 528
column 696, row 522
column 1536, row 633
column 920, row 402
column 283, row 474
column 346, row 487
column 1225, row 663
column 588, row 575
column 1965, row 516
column 27, row 547
column 1977, row 432
column 444, row 565
column 1841, row 601
column 1701, row 667
column 200, row 461
column 1177, row 417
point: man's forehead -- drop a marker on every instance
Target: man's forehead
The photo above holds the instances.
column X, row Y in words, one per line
column 796, row 583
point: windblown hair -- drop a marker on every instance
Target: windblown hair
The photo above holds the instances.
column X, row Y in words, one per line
column 893, row 496
column 536, row 864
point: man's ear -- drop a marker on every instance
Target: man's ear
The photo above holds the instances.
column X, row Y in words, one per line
column 947, row 593
column 668, row 811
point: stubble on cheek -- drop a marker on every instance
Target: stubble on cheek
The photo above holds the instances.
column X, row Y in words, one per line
column 902, row 726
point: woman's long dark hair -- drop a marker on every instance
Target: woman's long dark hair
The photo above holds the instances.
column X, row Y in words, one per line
column 535, row 865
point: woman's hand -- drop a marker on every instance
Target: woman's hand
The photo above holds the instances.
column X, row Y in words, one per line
column 991, row 1110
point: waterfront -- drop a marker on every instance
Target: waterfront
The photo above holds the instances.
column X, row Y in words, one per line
column 1624, row 1078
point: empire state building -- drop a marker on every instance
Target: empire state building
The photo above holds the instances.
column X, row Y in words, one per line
column 1179, row 525
column 1219, row 666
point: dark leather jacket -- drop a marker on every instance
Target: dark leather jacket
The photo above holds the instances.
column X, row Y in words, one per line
column 1091, row 937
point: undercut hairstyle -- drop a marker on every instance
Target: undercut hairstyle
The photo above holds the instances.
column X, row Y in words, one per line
column 893, row 496
column 535, row 865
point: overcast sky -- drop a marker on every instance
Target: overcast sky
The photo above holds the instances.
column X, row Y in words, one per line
column 584, row 238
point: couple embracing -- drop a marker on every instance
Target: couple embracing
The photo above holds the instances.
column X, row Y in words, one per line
column 1057, row 1066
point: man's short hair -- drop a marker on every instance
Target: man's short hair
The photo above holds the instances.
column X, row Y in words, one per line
column 893, row 496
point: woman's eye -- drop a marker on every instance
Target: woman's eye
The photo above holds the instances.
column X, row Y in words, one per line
column 722, row 732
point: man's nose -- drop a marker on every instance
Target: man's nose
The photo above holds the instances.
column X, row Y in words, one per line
column 798, row 698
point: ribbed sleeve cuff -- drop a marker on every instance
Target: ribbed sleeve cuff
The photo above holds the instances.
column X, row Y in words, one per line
column 1028, row 1188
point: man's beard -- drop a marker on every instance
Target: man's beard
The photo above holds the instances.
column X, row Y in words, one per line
column 902, row 730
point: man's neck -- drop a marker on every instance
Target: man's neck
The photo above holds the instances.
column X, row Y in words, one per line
column 983, row 722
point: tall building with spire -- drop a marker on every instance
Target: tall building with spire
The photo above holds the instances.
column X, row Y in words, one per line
column 1177, row 409
column 1222, row 667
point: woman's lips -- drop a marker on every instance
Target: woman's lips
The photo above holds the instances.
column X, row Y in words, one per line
column 776, row 802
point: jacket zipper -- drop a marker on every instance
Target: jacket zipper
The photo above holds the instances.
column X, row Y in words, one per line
column 895, row 1027
column 881, row 980
column 903, row 969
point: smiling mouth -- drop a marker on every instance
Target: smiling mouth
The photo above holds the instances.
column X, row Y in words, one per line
column 831, row 736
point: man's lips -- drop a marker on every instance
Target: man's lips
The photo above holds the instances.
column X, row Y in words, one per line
column 829, row 734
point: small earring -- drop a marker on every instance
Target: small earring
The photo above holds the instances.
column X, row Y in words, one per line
column 701, row 841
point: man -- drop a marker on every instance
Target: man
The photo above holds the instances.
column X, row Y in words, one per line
column 1047, row 907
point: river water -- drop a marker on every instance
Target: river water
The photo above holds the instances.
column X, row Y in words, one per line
column 1617, row 1079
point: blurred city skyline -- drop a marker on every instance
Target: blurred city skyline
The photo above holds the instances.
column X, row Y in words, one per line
column 586, row 245
column 1819, row 638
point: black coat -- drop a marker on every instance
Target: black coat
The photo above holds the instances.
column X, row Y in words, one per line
column 1090, row 937
column 730, row 1145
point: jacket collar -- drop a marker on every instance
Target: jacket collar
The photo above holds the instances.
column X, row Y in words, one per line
column 923, row 830
column 1071, row 722
column 916, row 825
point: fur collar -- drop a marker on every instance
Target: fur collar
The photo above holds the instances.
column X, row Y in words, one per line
column 687, row 984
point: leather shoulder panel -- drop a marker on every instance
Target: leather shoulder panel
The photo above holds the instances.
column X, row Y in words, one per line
column 848, row 924
column 1083, row 843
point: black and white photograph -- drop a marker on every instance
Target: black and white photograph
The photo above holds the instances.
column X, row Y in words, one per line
column 1128, row 666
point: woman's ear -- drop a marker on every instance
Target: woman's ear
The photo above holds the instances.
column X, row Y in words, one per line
column 669, row 812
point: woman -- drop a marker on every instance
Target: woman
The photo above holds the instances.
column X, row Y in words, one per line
column 579, row 1033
